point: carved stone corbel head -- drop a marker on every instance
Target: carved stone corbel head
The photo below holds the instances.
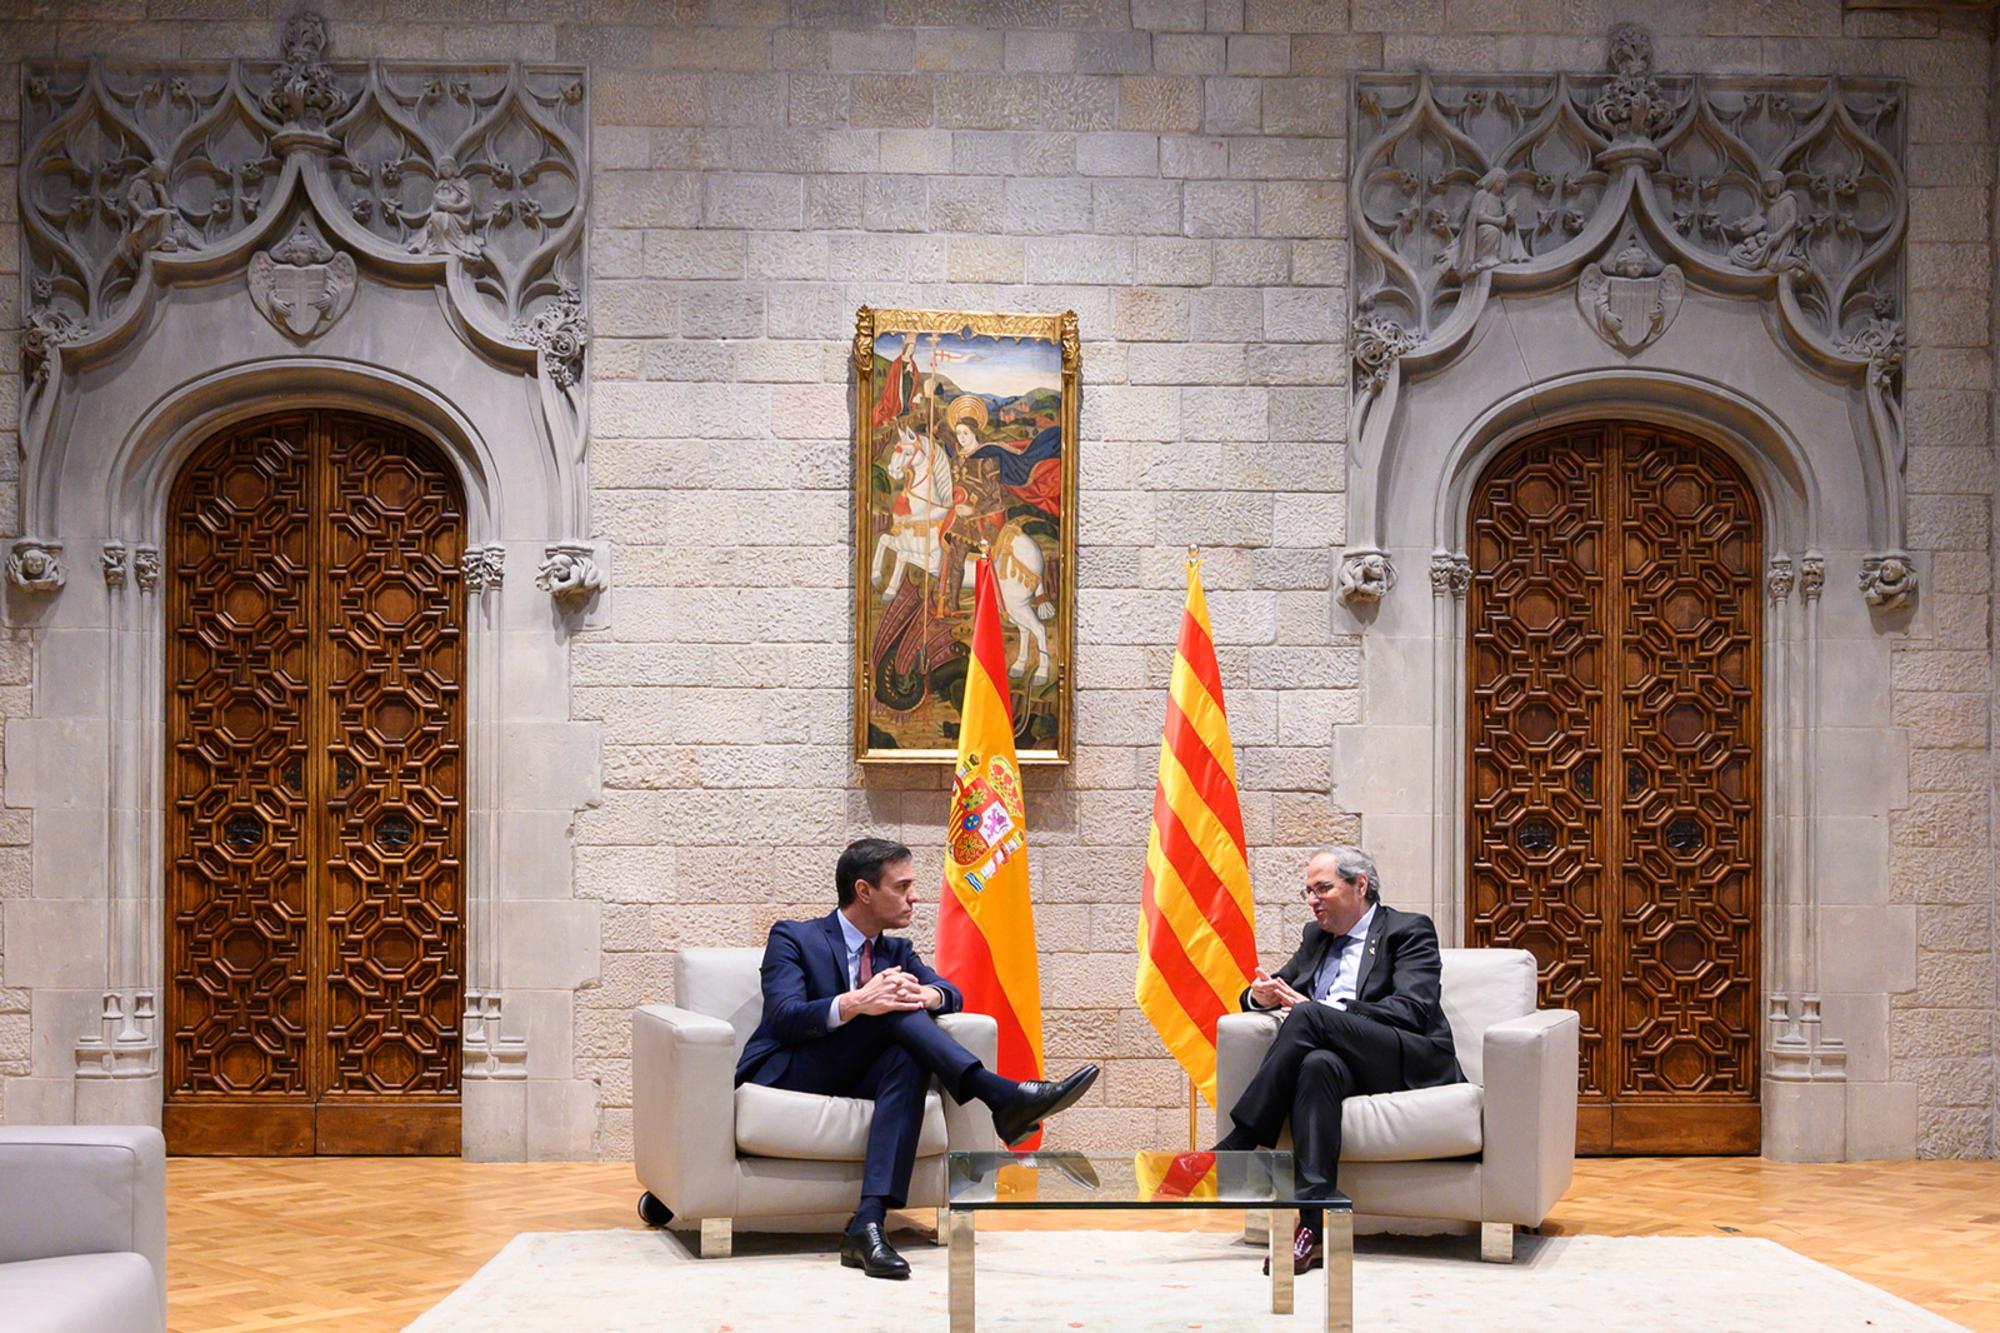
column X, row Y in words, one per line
column 36, row 566
column 570, row 574
column 1888, row 581
column 1365, row 576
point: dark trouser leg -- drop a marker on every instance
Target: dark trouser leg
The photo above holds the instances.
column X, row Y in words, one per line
column 1325, row 1083
column 834, row 1064
column 1369, row 1058
column 897, row 1084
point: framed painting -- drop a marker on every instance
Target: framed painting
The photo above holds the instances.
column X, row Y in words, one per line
column 964, row 436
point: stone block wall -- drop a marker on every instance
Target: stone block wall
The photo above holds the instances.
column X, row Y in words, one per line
column 1174, row 171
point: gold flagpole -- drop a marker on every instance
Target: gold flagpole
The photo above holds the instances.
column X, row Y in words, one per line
column 1194, row 1097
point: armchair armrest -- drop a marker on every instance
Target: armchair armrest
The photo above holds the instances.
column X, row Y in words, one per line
column 970, row 1128
column 1240, row 1043
column 84, row 1189
column 684, row 1109
column 1529, row 1151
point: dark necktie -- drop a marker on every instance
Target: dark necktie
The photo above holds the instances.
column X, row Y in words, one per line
column 867, row 966
column 1329, row 967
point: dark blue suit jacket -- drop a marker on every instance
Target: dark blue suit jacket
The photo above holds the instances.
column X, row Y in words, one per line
column 805, row 966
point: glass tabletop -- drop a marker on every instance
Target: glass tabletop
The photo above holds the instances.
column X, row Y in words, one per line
column 1167, row 1179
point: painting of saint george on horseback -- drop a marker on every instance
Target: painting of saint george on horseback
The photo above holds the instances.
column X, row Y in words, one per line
column 965, row 430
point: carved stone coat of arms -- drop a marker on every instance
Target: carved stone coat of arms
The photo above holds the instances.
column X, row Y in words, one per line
column 1630, row 298
column 301, row 284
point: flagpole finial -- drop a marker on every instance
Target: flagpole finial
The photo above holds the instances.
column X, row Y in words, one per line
column 985, row 552
column 1194, row 554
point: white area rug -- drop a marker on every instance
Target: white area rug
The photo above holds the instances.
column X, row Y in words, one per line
column 1110, row 1280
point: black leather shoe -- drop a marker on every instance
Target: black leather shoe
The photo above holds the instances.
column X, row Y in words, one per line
column 870, row 1251
column 1039, row 1100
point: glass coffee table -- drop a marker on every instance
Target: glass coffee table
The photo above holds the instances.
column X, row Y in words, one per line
column 1259, row 1181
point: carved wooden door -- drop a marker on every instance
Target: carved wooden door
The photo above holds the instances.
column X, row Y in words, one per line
column 1615, row 625
column 315, row 792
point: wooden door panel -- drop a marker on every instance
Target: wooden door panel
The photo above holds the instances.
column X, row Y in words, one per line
column 1612, row 760
column 238, row 891
column 1689, row 618
column 1537, row 870
column 394, row 927
column 315, row 889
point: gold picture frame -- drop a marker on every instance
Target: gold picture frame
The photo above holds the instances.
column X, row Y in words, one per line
column 957, row 442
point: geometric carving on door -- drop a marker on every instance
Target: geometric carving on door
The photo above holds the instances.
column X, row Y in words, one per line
column 316, row 786
column 1614, row 620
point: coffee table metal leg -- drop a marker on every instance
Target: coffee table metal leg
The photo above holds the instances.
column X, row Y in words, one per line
column 960, row 1261
column 1339, row 1238
column 1283, row 1222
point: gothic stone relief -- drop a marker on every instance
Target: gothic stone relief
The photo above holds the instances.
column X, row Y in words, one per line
column 570, row 574
column 1630, row 184
column 35, row 566
column 302, row 170
column 300, row 284
column 1630, row 297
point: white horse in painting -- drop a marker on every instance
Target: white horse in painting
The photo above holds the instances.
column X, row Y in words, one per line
column 916, row 532
column 1019, row 572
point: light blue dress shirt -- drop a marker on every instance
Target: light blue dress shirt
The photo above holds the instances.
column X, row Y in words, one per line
column 1340, row 973
column 855, row 939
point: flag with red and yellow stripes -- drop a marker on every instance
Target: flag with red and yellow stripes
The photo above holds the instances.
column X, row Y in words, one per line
column 986, row 922
column 1197, row 936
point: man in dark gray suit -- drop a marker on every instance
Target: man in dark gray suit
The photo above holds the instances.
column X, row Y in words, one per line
column 1362, row 1016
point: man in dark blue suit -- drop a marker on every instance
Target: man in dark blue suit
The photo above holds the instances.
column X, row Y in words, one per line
column 847, row 1013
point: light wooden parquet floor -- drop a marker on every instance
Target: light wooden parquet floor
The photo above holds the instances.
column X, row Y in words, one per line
column 370, row 1243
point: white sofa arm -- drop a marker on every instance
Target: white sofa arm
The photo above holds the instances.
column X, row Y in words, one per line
column 1240, row 1043
column 970, row 1128
column 84, row 1189
column 1529, row 1150
column 684, row 1110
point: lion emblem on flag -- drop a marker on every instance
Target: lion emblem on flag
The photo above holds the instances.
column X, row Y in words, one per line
column 988, row 819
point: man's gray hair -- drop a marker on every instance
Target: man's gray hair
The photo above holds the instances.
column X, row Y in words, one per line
column 1350, row 863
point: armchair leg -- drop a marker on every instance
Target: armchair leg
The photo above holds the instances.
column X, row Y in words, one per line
column 1496, row 1242
column 940, row 1233
column 715, row 1237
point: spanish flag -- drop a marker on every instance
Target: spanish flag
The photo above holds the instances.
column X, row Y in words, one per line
column 986, row 923
column 1197, row 935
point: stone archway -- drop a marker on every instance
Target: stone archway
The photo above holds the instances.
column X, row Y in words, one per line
column 461, row 318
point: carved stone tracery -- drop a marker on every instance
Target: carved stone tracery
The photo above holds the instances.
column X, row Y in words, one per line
column 1633, row 185
column 304, row 169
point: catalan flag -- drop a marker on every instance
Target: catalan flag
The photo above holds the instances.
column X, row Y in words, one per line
column 986, row 923
column 1197, row 936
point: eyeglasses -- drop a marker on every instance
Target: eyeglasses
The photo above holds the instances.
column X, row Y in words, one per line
column 1320, row 889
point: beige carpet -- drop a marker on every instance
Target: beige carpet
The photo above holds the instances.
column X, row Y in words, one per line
column 1109, row 1280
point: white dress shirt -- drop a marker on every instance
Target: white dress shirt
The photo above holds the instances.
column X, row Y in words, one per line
column 855, row 939
column 1340, row 974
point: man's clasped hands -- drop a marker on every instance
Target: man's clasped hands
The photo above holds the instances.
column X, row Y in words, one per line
column 890, row 991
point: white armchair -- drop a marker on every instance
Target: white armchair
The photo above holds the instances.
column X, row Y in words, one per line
column 1498, row 1149
column 711, row 1154
column 83, row 1229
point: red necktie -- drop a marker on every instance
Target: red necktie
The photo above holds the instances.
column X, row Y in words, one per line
column 867, row 968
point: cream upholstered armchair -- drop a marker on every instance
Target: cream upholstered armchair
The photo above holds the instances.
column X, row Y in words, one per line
column 1497, row 1149
column 711, row 1154
column 83, row 1228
